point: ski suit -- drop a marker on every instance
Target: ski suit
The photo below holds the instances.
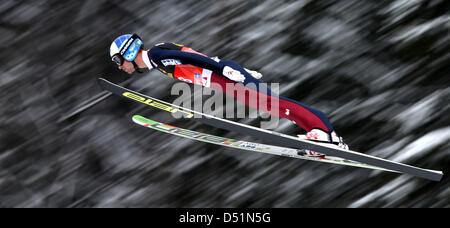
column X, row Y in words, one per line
column 185, row 64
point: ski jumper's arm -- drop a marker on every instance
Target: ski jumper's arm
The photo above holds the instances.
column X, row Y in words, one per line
column 179, row 61
column 198, row 60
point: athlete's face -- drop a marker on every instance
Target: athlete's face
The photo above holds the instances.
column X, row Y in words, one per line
column 128, row 67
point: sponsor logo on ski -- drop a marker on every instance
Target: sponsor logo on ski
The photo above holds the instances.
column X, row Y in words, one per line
column 156, row 104
column 191, row 134
column 248, row 145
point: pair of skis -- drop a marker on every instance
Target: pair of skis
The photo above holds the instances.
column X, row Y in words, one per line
column 332, row 154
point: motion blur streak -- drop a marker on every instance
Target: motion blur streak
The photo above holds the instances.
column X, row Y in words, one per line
column 379, row 69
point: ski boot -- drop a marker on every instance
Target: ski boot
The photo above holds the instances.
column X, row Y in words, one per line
column 321, row 136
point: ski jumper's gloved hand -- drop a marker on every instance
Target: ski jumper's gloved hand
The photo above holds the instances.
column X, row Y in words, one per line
column 254, row 74
column 233, row 74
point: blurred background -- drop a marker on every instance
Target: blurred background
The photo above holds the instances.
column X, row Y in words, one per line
column 379, row 69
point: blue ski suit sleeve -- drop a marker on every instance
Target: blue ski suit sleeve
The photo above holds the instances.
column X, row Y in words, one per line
column 159, row 54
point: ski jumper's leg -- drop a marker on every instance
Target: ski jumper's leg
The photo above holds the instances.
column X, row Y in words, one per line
column 302, row 115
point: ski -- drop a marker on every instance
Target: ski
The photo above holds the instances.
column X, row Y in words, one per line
column 271, row 136
column 246, row 145
column 94, row 100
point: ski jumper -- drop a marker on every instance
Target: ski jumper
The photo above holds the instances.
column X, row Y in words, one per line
column 182, row 63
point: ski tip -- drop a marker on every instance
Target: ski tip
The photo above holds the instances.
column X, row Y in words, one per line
column 100, row 81
column 142, row 120
column 136, row 118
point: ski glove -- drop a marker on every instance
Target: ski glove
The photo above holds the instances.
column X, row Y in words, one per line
column 233, row 74
column 254, row 74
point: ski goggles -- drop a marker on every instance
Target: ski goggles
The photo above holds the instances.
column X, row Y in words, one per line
column 117, row 59
column 128, row 51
